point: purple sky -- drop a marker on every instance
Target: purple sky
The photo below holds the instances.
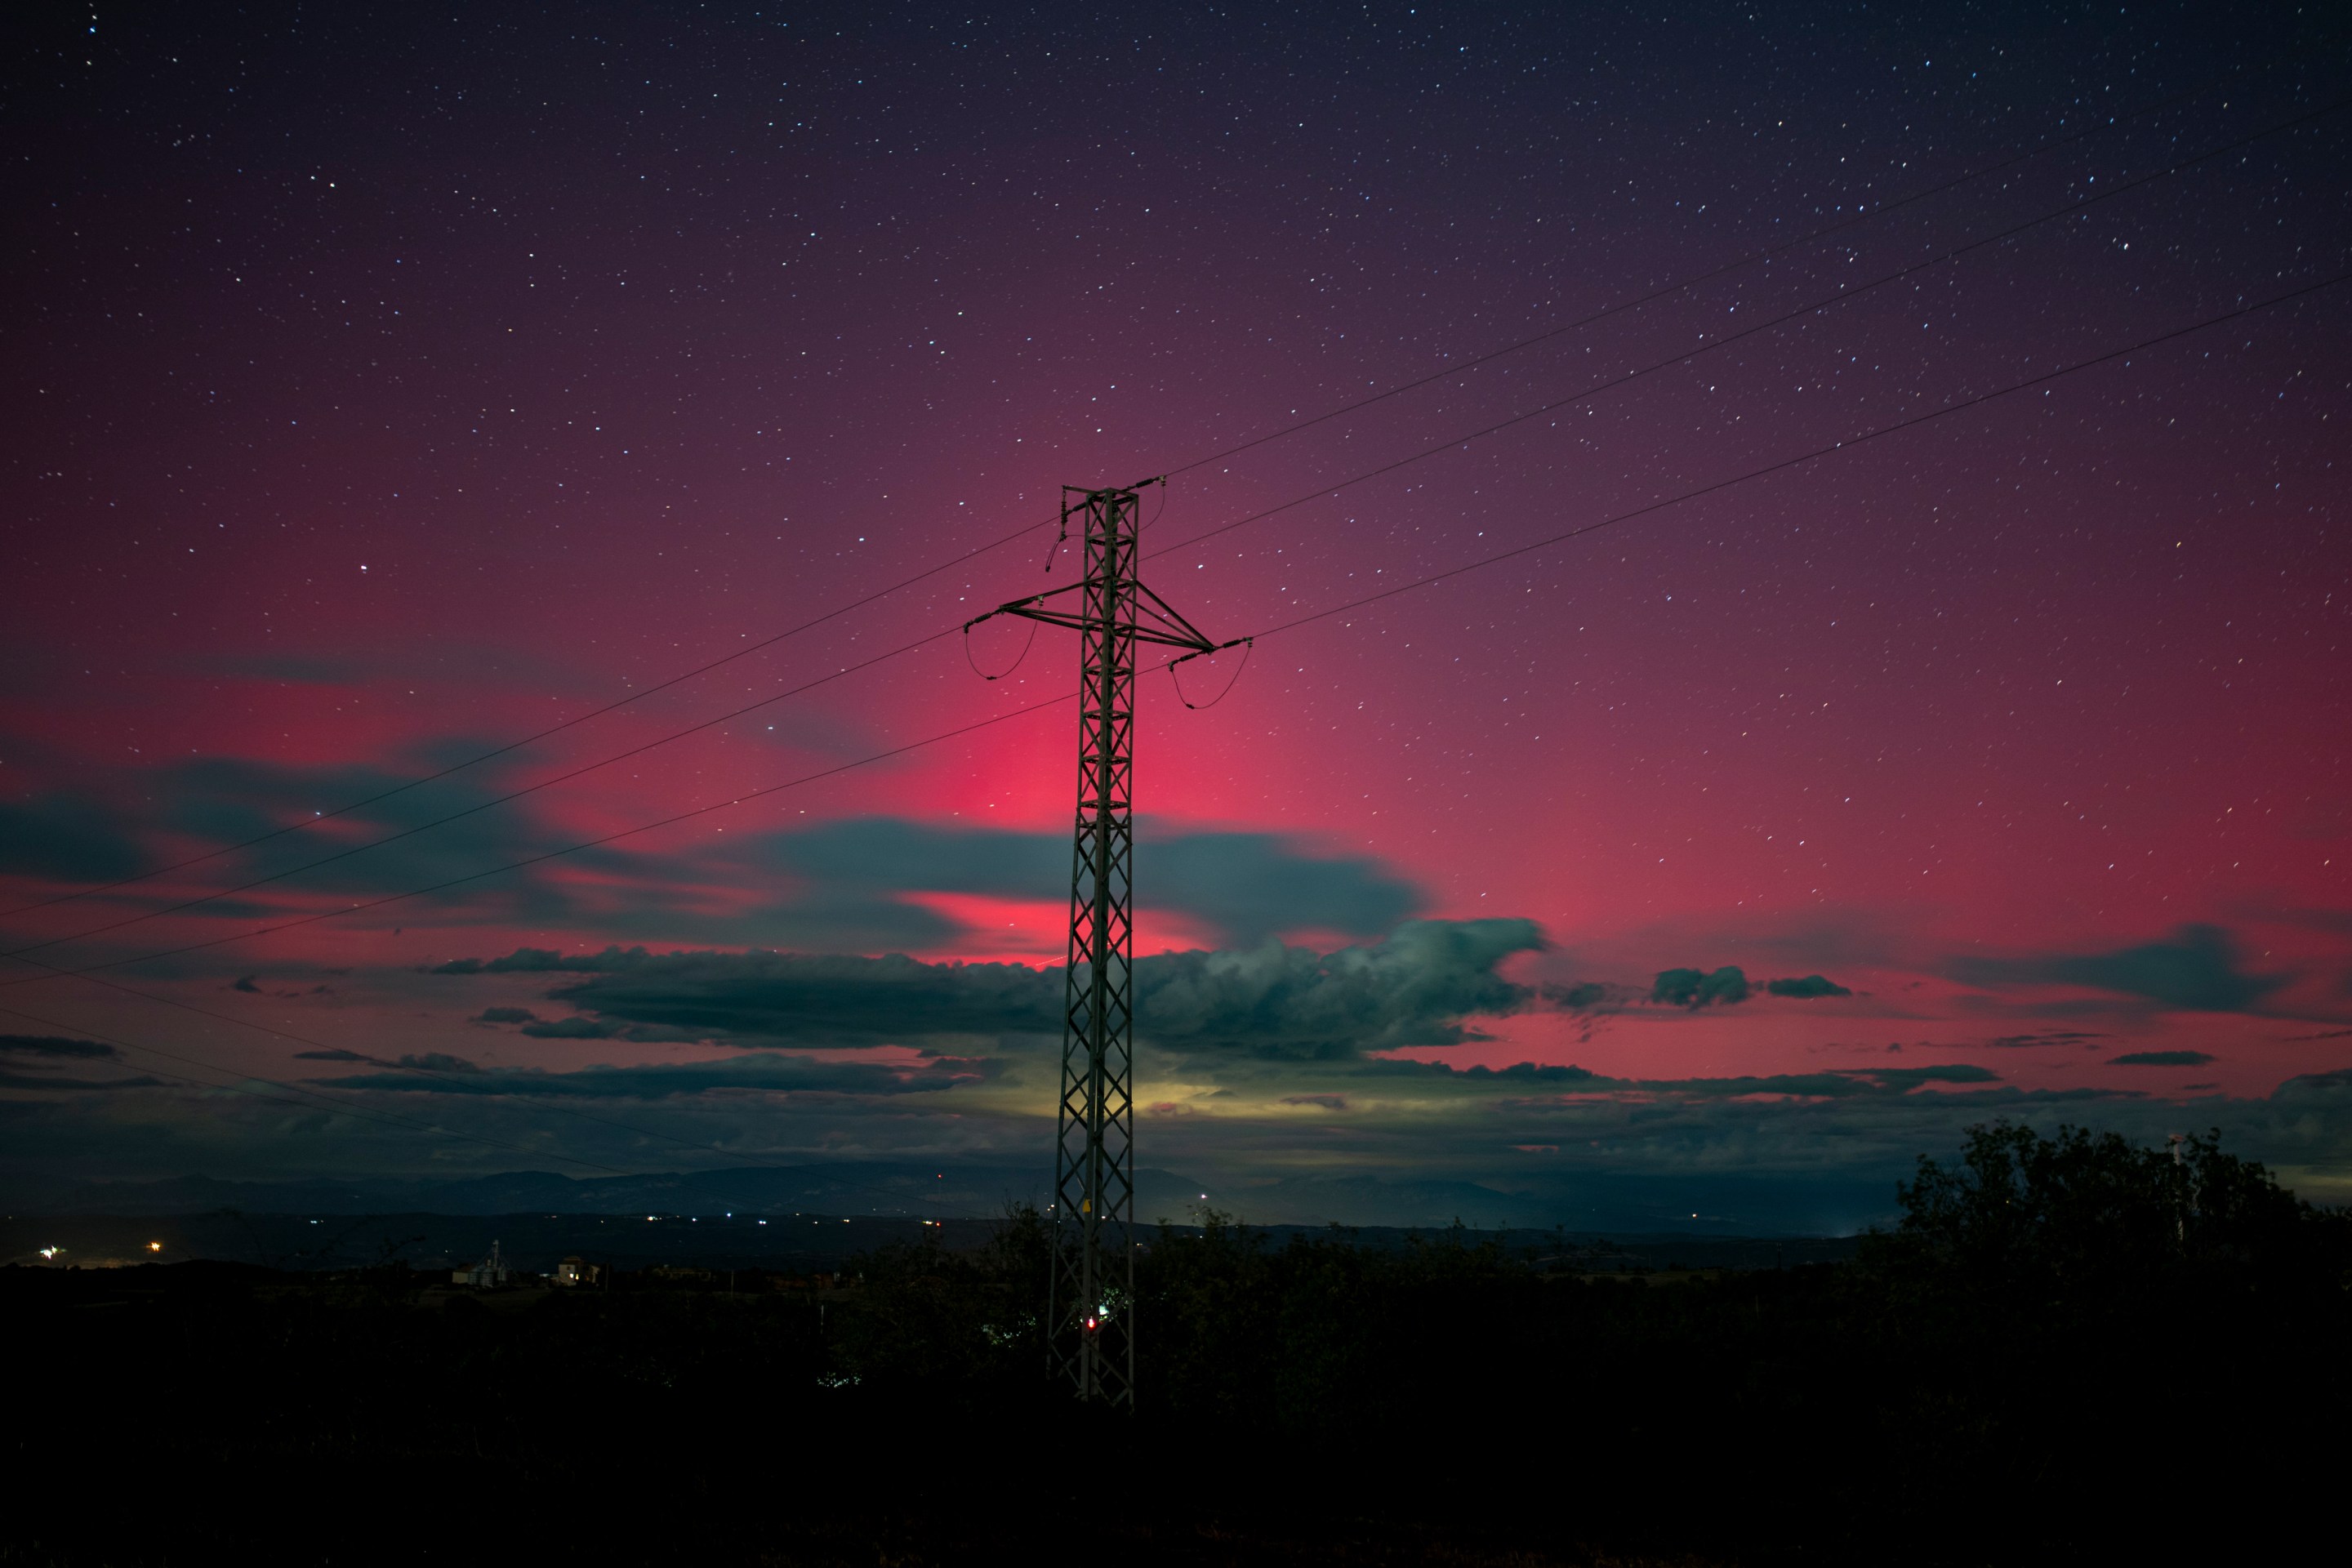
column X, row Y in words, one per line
column 388, row 390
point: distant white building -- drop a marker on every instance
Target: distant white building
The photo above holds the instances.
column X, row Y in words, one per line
column 487, row 1274
column 577, row 1271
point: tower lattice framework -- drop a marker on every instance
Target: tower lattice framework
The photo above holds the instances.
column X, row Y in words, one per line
column 1091, row 1308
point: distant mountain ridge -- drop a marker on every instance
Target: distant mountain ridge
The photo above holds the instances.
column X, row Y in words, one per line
column 838, row 1188
column 1625, row 1204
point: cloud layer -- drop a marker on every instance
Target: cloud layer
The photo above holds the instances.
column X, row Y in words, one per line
column 1729, row 985
column 32, row 1061
column 1246, row 885
column 765, row 1073
column 2199, row 971
column 857, row 884
column 1418, row 987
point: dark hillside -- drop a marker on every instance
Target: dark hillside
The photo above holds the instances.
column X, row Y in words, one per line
column 2171, row 1339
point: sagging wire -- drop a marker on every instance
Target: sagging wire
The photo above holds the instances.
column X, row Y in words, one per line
column 1059, row 540
column 1249, row 645
column 1017, row 661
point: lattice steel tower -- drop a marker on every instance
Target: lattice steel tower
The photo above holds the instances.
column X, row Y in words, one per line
column 1090, row 1323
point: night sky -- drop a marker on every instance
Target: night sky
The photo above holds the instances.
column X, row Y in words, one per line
column 388, row 387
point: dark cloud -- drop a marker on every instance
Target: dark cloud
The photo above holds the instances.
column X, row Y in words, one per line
column 1249, row 886
column 797, row 998
column 890, row 855
column 847, row 886
column 1252, row 885
column 230, row 800
column 1912, row 1077
column 506, row 1015
column 43, row 1053
column 75, row 1085
column 249, row 983
column 764, row 1071
column 1291, row 1002
column 1696, row 988
column 1729, row 985
column 430, row 1061
column 439, row 1061
column 2197, row 971
column 67, row 839
column 572, row 1029
column 1858, row 1132
column 1576, row 998
column 533, row 960
column 56, row 1047
column 1272, row 1001
column 2312, row 1085
column 2162, row 1059
column 2054, row 1037
column 1529, row 1072
column 1834, row 1084
column 1807, row 985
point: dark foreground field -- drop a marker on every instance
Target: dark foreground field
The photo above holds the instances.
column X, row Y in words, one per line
column 2071, row 1351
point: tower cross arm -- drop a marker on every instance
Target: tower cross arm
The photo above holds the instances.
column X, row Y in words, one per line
column 1171, row 630
column 1033, row 608
column 1174, row 630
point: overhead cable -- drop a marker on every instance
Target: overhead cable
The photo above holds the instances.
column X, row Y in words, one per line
column 479, row 807
column 538, row 735
column 1812, row 306
column 1816, row 454
column 359, row 906
column 1345, row 409
column 1750, row 259
column 1499, row 557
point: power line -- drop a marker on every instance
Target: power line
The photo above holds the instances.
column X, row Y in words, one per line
column 365, row 1112
column 355, row 908
column 480, row 807
column 1815, row 307
column 1818, row 452
column 1597, row 389
column 537, row 736
column 1343, row 410
column 2141, row 346
column 2110, row 356
column 1824, row 303
column 1729, row 266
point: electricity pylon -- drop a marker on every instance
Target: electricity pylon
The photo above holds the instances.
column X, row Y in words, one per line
column 1090, row 1313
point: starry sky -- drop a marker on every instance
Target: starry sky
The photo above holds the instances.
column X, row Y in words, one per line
column 1937, row 715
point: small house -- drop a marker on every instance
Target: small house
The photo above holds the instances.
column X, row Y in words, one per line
column 578, row 1272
